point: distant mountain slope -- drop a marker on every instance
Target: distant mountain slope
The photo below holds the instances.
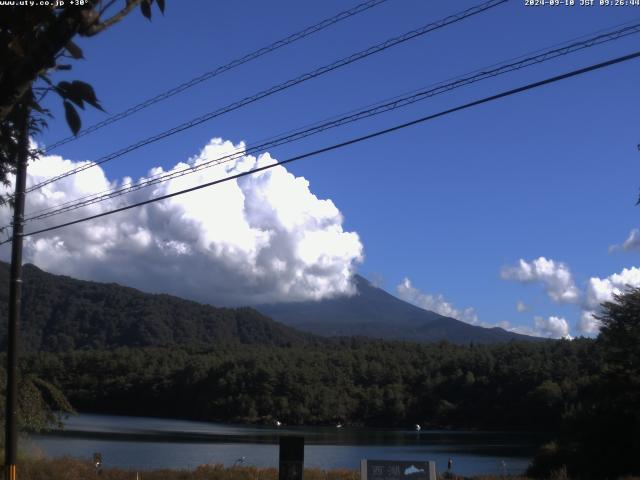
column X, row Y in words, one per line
column 377, row 314
column 62, row 313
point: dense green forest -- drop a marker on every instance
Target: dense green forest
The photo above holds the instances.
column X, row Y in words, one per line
column 507, row 386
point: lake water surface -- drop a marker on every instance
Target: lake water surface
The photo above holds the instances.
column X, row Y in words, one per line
column 146, row 443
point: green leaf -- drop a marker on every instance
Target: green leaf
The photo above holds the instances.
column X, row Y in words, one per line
column 85, row 91
column 74, row 50
column 66, row 91
column 160, row 5
column 145, row 7
column 73, row 119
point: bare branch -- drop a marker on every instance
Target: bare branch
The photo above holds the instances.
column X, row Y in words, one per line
column 99, row 27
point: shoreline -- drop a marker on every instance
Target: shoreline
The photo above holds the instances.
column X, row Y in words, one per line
column 151, row 443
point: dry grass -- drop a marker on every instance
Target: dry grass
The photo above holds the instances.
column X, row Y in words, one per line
column 73, row 469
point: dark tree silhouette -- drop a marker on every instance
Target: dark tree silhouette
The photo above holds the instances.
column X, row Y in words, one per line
column 618, row 407
column 37, row 41
column 601, row 438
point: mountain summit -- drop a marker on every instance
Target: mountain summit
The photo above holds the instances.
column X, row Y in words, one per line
column 372, row 312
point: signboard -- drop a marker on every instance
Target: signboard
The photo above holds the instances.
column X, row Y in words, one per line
column 397, row 470
column 291, row 463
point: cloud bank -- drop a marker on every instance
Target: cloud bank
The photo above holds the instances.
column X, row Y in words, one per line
column 555, row 276
column 553, row 327
column 560, row 286
column 435, row 303
column 261, row 238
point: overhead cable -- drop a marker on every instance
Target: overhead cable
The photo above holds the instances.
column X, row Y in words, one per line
column 398, row 102
column 219, row 70
column 282, row 86
column 352, row 141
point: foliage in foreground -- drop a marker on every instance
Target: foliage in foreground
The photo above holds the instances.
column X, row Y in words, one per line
column 601, row 439
column 41, row 404
column 67, row 468
column 72, row 469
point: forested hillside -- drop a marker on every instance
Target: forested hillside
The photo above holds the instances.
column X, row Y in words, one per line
column 507, row 386
column 61, row 313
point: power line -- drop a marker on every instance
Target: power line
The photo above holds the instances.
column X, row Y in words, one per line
column 352, row 141
column 283, row 86
column 219, row 70
column 398, row 102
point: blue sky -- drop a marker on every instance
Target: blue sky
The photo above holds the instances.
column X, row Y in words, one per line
column 449, row 204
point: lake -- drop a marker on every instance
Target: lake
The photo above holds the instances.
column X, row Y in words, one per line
column 147, row 443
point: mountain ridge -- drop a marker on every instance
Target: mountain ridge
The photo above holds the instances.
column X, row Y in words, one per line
column 61, row 313
column 386, row 316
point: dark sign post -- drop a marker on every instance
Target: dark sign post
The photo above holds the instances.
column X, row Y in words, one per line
column 397, row 470
column 291, row 463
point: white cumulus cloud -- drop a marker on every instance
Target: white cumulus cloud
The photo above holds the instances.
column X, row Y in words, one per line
column 435, row 303
column 555, row 276
column 521, row 306
column 588, row 323
column 600, row 290
column 553, row 327
column 261, row 238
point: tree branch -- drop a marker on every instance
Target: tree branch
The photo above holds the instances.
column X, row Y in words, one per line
column 38, row 59
column 100, row 26
column 49, row 44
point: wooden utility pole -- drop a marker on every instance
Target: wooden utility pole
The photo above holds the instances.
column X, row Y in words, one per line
column 15, row 298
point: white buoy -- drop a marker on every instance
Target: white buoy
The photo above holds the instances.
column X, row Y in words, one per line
column 278, row 423
column 339, row 425
column 418, row 428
